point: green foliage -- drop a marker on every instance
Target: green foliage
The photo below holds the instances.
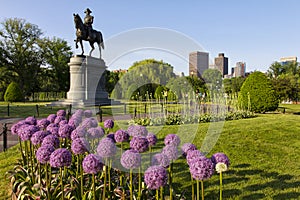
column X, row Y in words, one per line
column 13, row 93
column 258, row 94
column 158, row 94
column 233, row 85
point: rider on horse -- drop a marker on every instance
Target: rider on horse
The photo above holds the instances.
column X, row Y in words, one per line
column 88, row 21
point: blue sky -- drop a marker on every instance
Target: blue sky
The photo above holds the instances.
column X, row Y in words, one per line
column 257, row 32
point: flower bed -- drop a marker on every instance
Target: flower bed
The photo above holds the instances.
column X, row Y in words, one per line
column 78, row 159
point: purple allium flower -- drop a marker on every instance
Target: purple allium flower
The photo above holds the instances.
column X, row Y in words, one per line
column 187, row 147
column 220, row 158
column 63, row 122
column 121, row 136
column 172, row 139
column 61, row 113
column 94, row 133
column 89, row 123
column 106, row 148
column 27, row 131
column 60, row 158
column 78, row 132
column 193, row 154
column 43, row 123
column 43, row 153
column 171, row 152
column 160, row 159
column 152, row 139
column 155, row 177
column 52, row 140
column 17, row 127
column 51, row 118
column 79, row 113
column 80, row 146
column 92, row 164
column 53, row 129
column 38, row 137
column 137, row 130
column 59, row 119
column 201, row 168
column 31, row 120
column 65, row 131
column 109, row 123
column 88, row 113
column 139, row 144
column 111, row 136
column 131, row 159
column 74, row 122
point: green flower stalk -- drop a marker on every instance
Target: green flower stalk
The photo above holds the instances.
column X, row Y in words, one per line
column 130, row 184
column 221, row 167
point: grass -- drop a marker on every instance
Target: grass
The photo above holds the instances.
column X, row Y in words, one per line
column 264, row 154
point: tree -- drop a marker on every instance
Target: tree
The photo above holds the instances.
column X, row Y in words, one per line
column 13, row 93
column 233, row 85
column 258, row 94
column 20, row 53
column 213, row 78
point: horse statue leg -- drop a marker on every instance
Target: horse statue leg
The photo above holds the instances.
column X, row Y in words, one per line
column 82, row 50
column 92, row 46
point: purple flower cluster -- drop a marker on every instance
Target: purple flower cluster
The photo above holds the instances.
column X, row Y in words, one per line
column 60, row 158
column 31, row 120
column 53, row 129
column 94, row 133
column 152, row 139
column 61, row 113
column 17, row 127
column 220, row 158
column 201, row 168
column 155, row 177
column 88, row 113
column 51, row 118
column 121, row 136
column 172, row 139
column 109, row 123
column 78, row 132
column 27, row 131
column 193, row 154
column 185, row 148
column 58, row 119
column 52, row 140
column 111, row 136
column 137, row 130
column 92, row 164
column 43, row 123
column 89, row 123
column 139, row 144
column 43, row 153
column 65, row 131
column 171, row 152
column 131, row 159
column 80, row 146
column 37, row 137
column 161, row 160
column 106, row 148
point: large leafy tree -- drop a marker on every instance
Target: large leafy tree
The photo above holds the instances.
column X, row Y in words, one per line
column 233, row 85
column 213, row 78
column 258, row 94
column 21, row 57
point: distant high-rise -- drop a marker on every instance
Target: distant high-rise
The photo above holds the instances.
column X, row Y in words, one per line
column 240, row 69
column 198, row 63
column 286, row 60
column 221, row 64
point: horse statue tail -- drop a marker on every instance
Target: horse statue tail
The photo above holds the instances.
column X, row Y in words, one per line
column 102, row 44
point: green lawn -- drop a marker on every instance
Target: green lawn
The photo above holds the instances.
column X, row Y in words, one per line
column 264, row 154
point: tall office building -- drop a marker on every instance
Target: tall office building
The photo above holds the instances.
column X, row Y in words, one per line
column 286, row 60
column 240, row 69
column 198, row 63
column 221, row 64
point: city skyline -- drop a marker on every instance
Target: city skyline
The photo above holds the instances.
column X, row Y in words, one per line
column 256, row 32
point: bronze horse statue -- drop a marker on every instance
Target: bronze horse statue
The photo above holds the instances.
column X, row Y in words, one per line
column 82, row 34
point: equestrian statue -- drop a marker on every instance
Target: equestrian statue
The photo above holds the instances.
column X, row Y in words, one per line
column 85, row 31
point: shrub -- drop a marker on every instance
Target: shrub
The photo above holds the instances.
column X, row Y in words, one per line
column 257, row 94
column 13, row 93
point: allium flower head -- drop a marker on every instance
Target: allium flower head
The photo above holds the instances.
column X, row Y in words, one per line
column 106, row 148
column 187, row 147
column 65, row 130
column 31, row 120
column 121, row 136
column 61, row 113
column 89, row 123
column 53, row 129
column 43, row 123
column 59, row 119
column 155, row 177
column 52, row 140
column 88, row 113
column 80, row 146
column 139, row 144
column 109, row 123
column 152, row 139
column 193, row 154
column 43, row 153
column 201, row 168
column 92, row 164
column 220, row 158
column 137, row 130
column 172, row 139
column 78, row 132
column 37, row 137
column 160, row 159
column 94, row 133
column 51, row 118
column 171, row 152
column 17, row 127
column 27, row 131
column 63, row 122
column 111, row 136
column 60, row 158
column 131, row 159
column 74, row 122
column 79, row 112
column 221, row 167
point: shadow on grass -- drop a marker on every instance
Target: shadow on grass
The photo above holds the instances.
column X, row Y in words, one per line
column 254, row 196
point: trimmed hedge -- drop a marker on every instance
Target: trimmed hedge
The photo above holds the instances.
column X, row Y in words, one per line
column 13, row 93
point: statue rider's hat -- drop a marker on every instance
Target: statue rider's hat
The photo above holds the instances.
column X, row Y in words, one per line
column 88, row 11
